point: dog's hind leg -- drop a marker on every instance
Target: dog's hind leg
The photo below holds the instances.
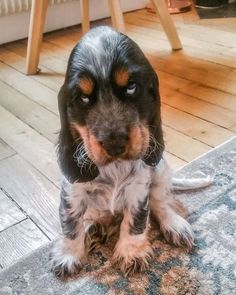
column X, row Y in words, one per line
column 168, row 211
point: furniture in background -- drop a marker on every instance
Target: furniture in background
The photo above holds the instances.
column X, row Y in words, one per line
column 37, row 20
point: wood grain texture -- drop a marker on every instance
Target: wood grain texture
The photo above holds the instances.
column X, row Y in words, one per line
column 195, row 44
column 204, row 72
column 174, row 162
column 29, row 112
column 29, row 87
column 10, row 213
column 198, row 83
column 36, row 195
column 5, row 150
column 117, row 15
column 37, row 19
column 167, row 23
column 184, row 147
column 233, row 128
column 194, row 127
column 84, row 7
column 47, row 49
column 19, row 240
column 199, row 108
column 33, row 147
column 198, row 87
column 53, row 58
column 211, row 95
column 18, row 63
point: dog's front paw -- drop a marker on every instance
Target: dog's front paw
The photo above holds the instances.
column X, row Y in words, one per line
column 132, row 257
column 178, row 231
column 64, row 264
column 65, row 267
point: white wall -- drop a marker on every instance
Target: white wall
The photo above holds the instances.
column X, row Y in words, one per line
column 14, row 27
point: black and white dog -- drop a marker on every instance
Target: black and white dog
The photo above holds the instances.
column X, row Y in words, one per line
column 111, row 155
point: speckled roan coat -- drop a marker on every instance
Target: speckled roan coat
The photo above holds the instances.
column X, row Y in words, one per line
column 110, row 152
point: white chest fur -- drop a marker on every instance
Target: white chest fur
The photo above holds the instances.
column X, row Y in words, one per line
column 119, row 184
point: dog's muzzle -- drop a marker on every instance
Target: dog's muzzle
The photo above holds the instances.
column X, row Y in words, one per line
column 115, row 145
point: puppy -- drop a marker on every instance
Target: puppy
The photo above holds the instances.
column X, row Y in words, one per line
column 110, row 152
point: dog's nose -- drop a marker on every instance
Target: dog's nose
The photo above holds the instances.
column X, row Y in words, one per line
column 116, row 146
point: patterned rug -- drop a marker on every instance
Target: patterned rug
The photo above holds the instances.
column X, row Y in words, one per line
column 209, row 268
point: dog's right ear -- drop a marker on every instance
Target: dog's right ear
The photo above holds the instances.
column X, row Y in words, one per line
column 71, row 169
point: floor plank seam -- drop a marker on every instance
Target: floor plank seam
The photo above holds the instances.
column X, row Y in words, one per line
column 29, row 76
column 12, row 199
column 12, row 225
column 188, row 135
column 24, row 212
column 7, row 157
column 197, row 116
column 22, row 93
column 39, row 228
column 208, row 102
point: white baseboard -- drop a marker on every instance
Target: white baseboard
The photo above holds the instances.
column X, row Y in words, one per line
column 14, row 27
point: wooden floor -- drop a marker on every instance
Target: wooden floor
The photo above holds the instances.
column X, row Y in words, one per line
column 198, row 88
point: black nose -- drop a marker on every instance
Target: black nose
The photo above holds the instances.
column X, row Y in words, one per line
column 115, row 146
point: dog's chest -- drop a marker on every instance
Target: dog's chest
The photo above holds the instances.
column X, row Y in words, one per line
column 118, row 184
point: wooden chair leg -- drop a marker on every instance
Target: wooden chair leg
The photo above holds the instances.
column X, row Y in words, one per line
column 167, row 23
column 37, row 20
column 84, row 4
column 117, row 15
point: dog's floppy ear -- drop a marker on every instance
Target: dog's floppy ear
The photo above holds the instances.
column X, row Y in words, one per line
column 156, row 142
column 71, row 169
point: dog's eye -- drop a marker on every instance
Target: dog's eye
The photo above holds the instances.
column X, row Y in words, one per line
column 85, row 99
column 131, row 88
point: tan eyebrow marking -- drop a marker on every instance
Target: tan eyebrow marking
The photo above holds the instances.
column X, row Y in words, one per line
column 86, row 85
column 122, row 77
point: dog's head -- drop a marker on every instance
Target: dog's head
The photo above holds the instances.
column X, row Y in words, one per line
column 109, row 106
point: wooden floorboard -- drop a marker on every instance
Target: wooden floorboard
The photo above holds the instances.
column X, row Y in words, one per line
column 32, row 192
column 10, row 213
column 198, row 94
column 194, row 127
column 5, row 150
column 201, row 109
column 29, row 87
column 19, row 240
column 48, row 78
column 28, row 111
column 31, row 145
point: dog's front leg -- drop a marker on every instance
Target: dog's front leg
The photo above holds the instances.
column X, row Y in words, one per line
column 133, row 249
column 68, row 252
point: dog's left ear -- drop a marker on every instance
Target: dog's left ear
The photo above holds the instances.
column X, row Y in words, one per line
column 67, row 146
column 156, row 141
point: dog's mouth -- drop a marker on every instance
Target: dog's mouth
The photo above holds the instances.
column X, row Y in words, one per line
column 101, row 153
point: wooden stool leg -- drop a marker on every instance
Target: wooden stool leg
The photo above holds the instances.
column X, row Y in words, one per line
column 117, row 15
column 84, row 4
column 167, row 23
column 37, row 19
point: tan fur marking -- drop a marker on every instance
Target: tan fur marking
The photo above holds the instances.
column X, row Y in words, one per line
column 178, row 207
column 139, row 140
column 99, row 154
column 84, row 133
column 95, row 151
column 86, row 85
column 138, row 144
column 122, row 77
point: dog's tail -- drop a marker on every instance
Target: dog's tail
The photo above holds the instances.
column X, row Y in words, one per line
column 191, row 183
